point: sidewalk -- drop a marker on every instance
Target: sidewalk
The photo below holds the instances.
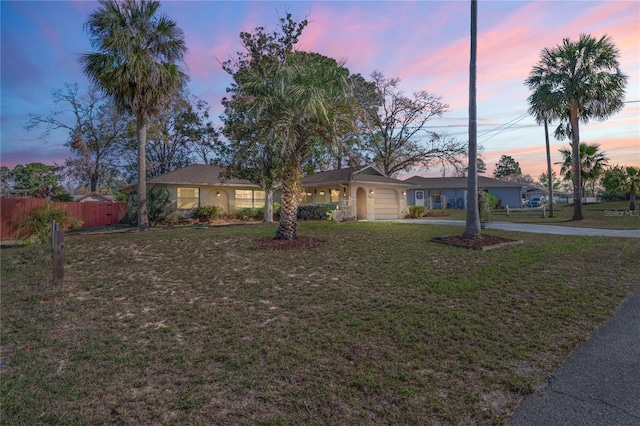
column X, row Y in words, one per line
column 537, row 229
column 599, row 384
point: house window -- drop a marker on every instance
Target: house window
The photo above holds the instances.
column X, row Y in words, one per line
column 335, row 195
column 435, row 196
column 249, row 198
column 188, row 198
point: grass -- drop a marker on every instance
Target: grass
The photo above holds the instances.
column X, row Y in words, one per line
column 611, row 215
column 378, row 325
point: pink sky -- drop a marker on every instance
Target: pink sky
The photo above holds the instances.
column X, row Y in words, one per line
column 424, row 43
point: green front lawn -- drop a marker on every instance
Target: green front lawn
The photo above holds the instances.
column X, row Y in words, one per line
column 377, row 325
column 611, row 215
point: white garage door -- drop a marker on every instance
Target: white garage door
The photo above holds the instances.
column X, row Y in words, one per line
column 385, row 203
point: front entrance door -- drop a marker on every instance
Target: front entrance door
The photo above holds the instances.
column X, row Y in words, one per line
column 419, row 198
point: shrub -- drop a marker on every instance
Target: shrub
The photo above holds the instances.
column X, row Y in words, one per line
column 485, row 206
column 208, row 212
column 249, row 213
column 159, row 202
column 493, row 200
column 36, row 228
column 316, row 211
column 416, row 211
column 64, row 196
column 159, row 205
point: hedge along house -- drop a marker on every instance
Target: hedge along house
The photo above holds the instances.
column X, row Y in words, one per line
column 359, row 193
column 451, row 192
column 202, row 185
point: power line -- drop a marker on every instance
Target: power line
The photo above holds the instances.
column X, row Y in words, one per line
column 505, row 124
column 522, row 117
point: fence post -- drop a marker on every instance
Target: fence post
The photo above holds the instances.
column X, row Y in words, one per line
column 57, row 243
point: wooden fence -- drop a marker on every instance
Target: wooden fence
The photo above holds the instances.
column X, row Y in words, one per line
column 14, row 210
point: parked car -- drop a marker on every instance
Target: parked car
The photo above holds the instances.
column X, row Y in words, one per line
column 536, row 202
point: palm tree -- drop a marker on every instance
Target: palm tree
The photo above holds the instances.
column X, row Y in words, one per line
column 472, row 225
column 592, row 165
column 136, row 64
column 544, row 113
column 581, row 81
column 297, row 103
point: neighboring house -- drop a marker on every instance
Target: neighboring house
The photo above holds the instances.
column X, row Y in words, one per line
column 530, row 193
column 201, row 185
column 451, row 192
column 93, row 197
column 360, row 193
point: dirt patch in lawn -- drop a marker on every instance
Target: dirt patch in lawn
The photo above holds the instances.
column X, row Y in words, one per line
column 298, row 244
column 485, row 242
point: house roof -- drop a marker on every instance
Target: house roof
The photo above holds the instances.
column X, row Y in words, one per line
column 535, row 190
column 197, row 175
column 367, row 174
column 94, row 196
column 458, row 182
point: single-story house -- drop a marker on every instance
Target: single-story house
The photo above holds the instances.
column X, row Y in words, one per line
column 360, row 193
column 202, row 184
column 530, row 192
column 93, row 197
column 451, row 192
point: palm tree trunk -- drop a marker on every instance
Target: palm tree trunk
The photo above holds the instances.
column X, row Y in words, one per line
column 546, row 138
column 268, row 205
column 472, row 226
column 575, row 163
column 141, row 136
column 289, row 207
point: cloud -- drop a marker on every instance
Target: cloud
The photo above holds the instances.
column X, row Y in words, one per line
column 204, row 61
column 45, row 153
column 424, row 43
column 508, row 50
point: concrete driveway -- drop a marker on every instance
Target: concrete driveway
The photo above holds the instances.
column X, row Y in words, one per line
column 537, row 229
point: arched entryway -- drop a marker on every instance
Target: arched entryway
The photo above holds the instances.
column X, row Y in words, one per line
column 361, row 204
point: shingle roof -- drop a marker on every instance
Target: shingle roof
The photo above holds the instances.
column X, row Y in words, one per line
column 366, row 174
column 95, row 196
column 458, row 182
column 198, row 175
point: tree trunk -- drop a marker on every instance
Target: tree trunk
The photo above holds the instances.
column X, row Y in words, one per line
column 575, row 163
column 268, row 205
column 472, row 226
column 546, row 138
column 141, row 135
column 289, row 206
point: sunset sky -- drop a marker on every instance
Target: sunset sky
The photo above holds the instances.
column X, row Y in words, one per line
column 424, row 43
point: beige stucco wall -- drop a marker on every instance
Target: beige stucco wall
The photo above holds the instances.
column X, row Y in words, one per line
column 347, row 206
column 209, row 195
column 216, row 197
